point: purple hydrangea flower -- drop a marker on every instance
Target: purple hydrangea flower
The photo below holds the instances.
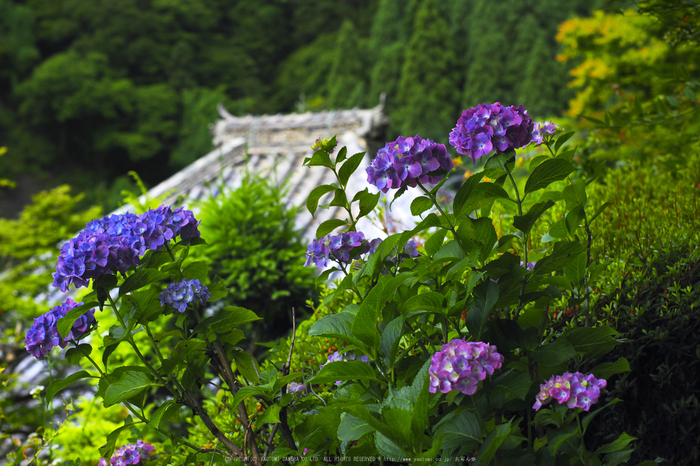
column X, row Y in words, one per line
column 117, row 242
column 460, row 365
column 542, row 130
column 483, row 128
column 575, row 389
column 529, row 266
column 43, row 335
column 338, row 248
column 180, row 294
column 407, row 161
column 295, row 387
column 410, row 248
column 129, row 454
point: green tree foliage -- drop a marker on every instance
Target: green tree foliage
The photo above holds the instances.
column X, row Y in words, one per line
column 346, row 79
column 428, row 84
column 253, row 246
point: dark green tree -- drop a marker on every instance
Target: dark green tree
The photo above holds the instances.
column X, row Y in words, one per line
column 427, row 90
column 347, row 81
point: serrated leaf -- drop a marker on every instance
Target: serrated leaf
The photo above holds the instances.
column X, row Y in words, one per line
column 547, row 173
column 390, row 339
column 320, row 158
column 58, row 385
column 420, row 205
column 163, row 412
column 594, row 341
column 575, row 269
column 270, row 416
column 607, row 369
column 562, row 252
column 352, row 428
column 328, row 226
column 349, row 167
column 74, row 355
column 364, row 327
column 494, row 440
column 129, row 384
column 536, row 161
column 556, row 231
column 430, row 302
column 368, row 202
column 344, row 370
column 434, row 242
column 525, row 222
column 485, row 296
column 465, row 191
column 553, row 354
column 483, row 194
column 65, row 323
column 247, row 366
column 562, row 139
column 198, row 270
column 140, row 279
column 316, row 194
column 339, row 198
column 513, row 385
column 461, row 431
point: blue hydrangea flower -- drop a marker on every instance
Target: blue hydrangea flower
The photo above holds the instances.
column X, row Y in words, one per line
column 575, row 389
column 540, row 131
column 338, row 248
column 295, row 387
column 117, row 242
column 485, row 128
column 43, row 335
column 131, row 453
column 461, row 365
column 407, row 161
column 180, row 294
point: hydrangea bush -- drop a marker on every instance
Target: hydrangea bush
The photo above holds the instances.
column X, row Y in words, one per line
column 444, row 345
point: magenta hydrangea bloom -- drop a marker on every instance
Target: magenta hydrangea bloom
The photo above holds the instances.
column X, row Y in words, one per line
column 129, row 454
column 485, row 128
column 117, row 242
column 461, row 365
column 182, row 293
column 407, row 161
column 575, row 389
column 542, row 130
column 338, row 248
column 43, row 335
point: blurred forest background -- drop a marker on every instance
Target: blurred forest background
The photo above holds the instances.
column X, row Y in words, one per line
column 92, row 89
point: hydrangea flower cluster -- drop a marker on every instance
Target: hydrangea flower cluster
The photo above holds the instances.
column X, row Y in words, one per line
column 460, row 365
column 338, row 247
column 129, row 454
column 540, row 130
column 115, row 243
column 407, row 161
column 349, row 356
column 574, row 389
column 483, row 128
column 295, row 387
column 43, row 335
column 180, row 294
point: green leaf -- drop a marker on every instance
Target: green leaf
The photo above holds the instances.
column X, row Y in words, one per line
column 388, row 448
column 65, row 323
column 335, row 326
column 562, row 139
column 622, row 441
column 316, row 194
column 536, row 161
column 320, row 158
column 230, row 316
column 247, row 366
column 513, row 385
column 245, row 392
column 342, row 154
column 368, row 201
column 449, row 251
column 364, row 327
column 525, row 222
column 556, row 231
column 58, row 385
column 198, row 270
column 434, row 243
column 494, row 440
column 607, row 369
column 478, row 233
column 344, row 370
column 390, row 340
column 328, row 226
column 561, row 254
column 270, row 416
column 554, row 353
column 130, row 384
column 594, row 341
column 575, row 269
column 420, row 408
column 465, row 191
column 349, row 167
column 599, row 211
column 179, row 354
column 420, row 205
column 429, row 302
column 140, row 279
column 485, row 296
column 547, row 173
column 163, row 413
column 574, row 218
column 483, row 194
column 352, row 428
column 339, row 198
column 74, row 355
column 107, row 449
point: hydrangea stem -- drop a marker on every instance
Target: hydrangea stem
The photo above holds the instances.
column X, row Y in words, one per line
column 444, row 215
column 525, row 240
